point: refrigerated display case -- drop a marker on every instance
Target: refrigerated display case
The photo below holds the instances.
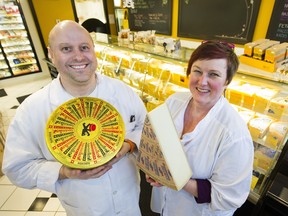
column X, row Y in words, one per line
column 17, row 53
column 260, row 97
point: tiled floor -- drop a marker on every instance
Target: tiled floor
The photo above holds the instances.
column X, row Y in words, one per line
column 15, row 201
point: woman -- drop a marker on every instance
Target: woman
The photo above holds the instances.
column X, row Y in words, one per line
column 216, row 140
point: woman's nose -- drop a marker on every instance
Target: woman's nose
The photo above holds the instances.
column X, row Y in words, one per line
column 203, row 79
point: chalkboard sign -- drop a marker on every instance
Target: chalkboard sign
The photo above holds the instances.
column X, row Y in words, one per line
column 226, row 20
column 278, row 27
column 151, row 15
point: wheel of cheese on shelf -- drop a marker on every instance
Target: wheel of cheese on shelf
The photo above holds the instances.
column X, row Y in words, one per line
column 85, row 132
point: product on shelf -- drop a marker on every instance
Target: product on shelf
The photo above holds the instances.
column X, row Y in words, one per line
column 262, row 98
column 179, row 75
column 248, row 92
column 263, row 157
column 259, row 50
column 255, row 179
column 153, row 103
column 135, row 60
column 153, row 67
column 268, row 55
column 234, row 93
column 170, row 89
column 258, row 126
column 142, row 65
column 276, row 134
column 132, row 78
column 246, row 115
column 278, row 108
column 165, row 72
column 249, row 47
column 242, row 94
column 276, row 53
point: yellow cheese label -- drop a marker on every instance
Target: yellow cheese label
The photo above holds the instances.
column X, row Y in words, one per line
column 84, row 132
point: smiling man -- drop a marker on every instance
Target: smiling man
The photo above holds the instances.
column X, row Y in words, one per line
column 110, row 189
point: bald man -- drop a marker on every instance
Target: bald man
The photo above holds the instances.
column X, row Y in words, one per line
column 110, row 189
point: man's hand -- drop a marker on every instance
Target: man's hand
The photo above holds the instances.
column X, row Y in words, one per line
column 66, row 172
column 122, row 152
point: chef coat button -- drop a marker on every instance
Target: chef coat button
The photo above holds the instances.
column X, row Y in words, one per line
column 118, row 212
column 115, row 192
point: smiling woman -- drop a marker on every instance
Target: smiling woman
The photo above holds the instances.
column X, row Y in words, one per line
column 211, row 133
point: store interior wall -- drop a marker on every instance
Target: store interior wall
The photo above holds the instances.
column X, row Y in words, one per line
column 48, row 13
column 262, row 24
column 264, row 15
column 111, row 16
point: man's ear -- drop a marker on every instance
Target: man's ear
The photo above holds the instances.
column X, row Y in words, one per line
column 49, row 53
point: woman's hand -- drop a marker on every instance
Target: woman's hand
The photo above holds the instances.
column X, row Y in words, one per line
column 152, row 181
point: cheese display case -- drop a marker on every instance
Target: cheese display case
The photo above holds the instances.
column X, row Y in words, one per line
column 260, row 97
column 17, row 55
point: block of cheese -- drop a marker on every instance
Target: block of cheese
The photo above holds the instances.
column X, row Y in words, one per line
column 154, row 87
column 166, row 72
column 170, row 89
column 153, row 67
column 263, row 157
column 248, row 92
column 258, row 126
column 134, row 78
column 277, row 132
column 278, row 107
column 234, row 93
column 242, row 94
column 179, row 76
column 247, row 115
column 276, row 53
column 143, row 82
column 136, row 58
column 153, row 103
column 249, row 47
column 262, row 98
column 259, row 50
column 141, row 65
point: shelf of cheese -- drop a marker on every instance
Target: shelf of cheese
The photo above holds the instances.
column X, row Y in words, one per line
column 262, row 104
column 265, row 110
column 156, row 78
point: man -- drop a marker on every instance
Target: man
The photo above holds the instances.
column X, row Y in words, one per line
column 110, row 189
